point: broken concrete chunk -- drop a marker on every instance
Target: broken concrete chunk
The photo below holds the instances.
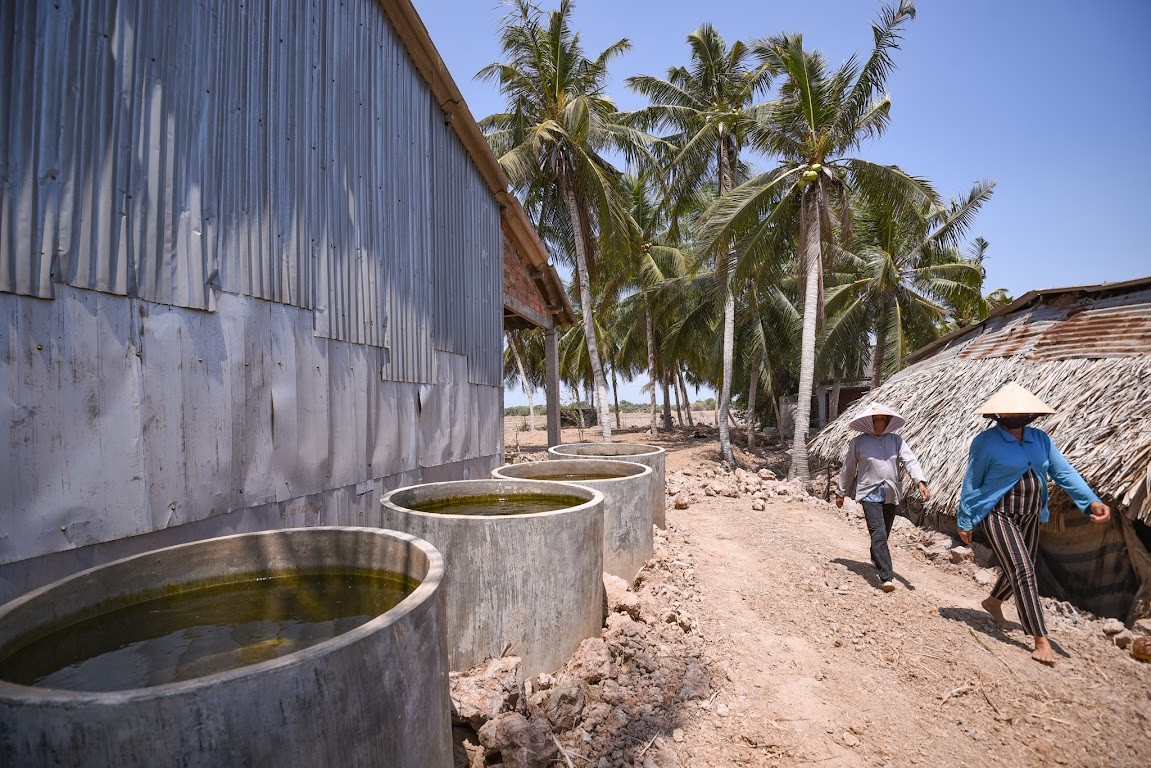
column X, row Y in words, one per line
column 1112, row 627
column 516, row 742
column 591, row 661
column 562, row 706
column 962, row 555
column 482, row 693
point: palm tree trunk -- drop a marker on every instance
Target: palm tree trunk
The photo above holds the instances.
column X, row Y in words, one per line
column 515, row 348
column 880, row 344
column 727, row 164
column 813, row 268
column 650, row 360
column 615, row 396
column 668, row 423
column 752, row 391
column 675, row 391
column 833, row 398
column 686, row 401
column 585, row 301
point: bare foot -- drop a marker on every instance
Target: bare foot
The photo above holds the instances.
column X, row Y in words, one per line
column 1043, row 652
column 995, row 608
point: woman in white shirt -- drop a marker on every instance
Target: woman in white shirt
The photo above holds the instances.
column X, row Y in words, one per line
column 870, row 475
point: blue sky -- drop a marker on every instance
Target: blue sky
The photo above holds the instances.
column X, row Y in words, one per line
column 1051, row 99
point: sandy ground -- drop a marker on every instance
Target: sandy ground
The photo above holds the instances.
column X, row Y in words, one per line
column 813, row 665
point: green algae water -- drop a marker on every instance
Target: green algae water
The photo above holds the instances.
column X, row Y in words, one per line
column 497, row 504
column 577, row 476
column 203, row 630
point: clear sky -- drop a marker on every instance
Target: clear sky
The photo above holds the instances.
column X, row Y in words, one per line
column 1051, row 99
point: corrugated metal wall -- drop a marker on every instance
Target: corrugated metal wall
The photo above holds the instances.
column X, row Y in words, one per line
column 274, row 270
column 286, row 150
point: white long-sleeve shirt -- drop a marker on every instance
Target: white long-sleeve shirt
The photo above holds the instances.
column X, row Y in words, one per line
column 874, row 460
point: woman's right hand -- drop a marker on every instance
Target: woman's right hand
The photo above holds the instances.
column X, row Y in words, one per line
column 965, row 537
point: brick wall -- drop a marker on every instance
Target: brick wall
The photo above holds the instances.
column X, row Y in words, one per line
column 518, row 284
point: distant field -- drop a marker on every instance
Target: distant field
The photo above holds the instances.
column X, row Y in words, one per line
column 515, row 429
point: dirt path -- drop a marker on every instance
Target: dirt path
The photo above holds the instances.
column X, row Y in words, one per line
column 811, row 664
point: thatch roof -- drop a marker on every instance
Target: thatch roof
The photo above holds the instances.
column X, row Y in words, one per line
column 1084, row 350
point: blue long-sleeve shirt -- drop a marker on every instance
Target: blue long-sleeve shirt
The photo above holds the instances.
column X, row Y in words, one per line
column 996, row 462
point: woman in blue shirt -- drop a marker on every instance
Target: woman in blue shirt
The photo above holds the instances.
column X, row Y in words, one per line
column 1005, row 491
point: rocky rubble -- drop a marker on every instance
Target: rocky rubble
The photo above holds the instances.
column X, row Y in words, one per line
column 689, row 486
column 613, row 703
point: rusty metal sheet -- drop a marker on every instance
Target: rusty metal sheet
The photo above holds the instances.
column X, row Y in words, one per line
column 1067, row 327
column 1105, row 332
column 1006, row 337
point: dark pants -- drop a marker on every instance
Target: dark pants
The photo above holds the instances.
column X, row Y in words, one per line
column 879, row 518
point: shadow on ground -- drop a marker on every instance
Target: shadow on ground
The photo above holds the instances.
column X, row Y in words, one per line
column 866, row 571
column 979, row 621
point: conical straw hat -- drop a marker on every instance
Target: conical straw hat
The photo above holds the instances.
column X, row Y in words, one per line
column 1012, row 398
column 862, row 422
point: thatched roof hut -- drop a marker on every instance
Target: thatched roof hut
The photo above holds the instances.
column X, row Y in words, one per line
column 1086, row 351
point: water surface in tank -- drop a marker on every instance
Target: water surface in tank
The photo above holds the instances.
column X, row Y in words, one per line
column 576, row 476
column 496, row 504
column 201, row 629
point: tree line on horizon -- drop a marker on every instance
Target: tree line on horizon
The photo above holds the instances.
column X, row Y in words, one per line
column 729, row 234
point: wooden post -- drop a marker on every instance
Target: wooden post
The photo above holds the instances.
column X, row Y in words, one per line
column 552, row 385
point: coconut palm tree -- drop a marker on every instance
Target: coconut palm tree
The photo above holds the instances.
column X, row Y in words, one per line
column 964, row 312
column 549, row 143
column 656, row 258
column 707, row 106
column 516, row 366
column 908, row 274
column 821, row 116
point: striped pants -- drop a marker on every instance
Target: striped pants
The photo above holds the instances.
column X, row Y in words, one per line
column 1014, row 538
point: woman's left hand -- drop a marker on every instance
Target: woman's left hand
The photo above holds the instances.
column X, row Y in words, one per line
column 1099, row 512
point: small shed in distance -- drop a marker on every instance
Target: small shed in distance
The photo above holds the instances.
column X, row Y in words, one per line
column 251, row 273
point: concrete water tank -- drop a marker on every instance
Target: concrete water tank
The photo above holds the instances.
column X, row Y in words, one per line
column 628, row 499
column 648, row 455
column 376, row 694
column 517, row 583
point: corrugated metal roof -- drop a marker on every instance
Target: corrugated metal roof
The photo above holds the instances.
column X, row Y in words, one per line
column 1059, row 325
column 1101, row 294
column 1013, row 339
column 1108, row 332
